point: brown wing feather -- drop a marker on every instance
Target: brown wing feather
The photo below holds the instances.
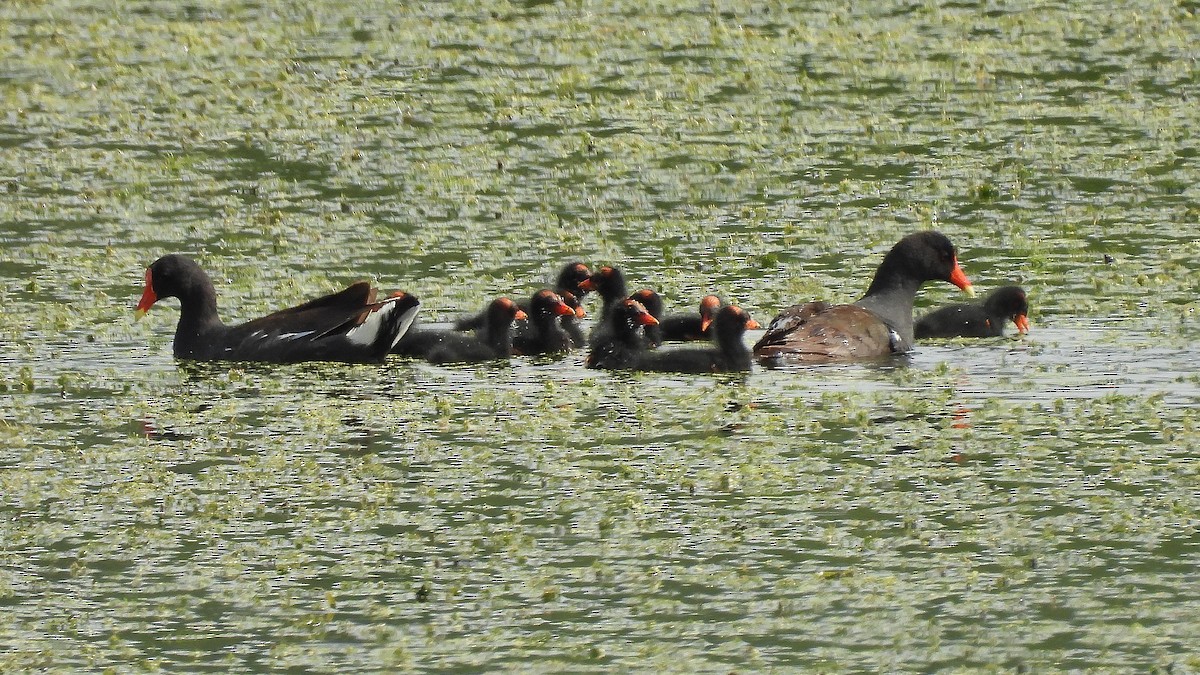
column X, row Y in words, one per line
column 354, row 296
column 818, row 331
column 323, row 315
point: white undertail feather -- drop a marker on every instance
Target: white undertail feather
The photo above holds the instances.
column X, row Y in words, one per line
column 368, row 331
column 406, row 322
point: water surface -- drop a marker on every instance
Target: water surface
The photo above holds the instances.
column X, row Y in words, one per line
column 1016, row 503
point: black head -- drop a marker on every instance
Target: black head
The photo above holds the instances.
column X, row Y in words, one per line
column 651, row 300
column 709, row 306
column 1007, row 301
column 629, row 315
column 546, row 304
column 609, row 282
column 175, row 276
column 571, row 277
column 503, row 311
column 733, row 320
column 925, row 256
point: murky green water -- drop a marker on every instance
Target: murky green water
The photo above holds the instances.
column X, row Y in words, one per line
column 999, row 505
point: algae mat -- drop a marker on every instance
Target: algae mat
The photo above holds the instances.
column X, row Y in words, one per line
column 1009, row 504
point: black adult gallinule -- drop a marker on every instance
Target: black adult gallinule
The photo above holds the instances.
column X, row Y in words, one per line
column 688, row 327
column 349, row 326
column 729, row 354
column 623, row 340
column 981, row 319
column 880, row 323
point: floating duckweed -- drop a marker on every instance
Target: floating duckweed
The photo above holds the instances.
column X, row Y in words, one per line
column 418, row 509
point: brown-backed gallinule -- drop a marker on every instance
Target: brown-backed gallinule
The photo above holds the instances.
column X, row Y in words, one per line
column 878, row 324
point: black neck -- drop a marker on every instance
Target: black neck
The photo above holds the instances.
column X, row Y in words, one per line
column 197, row 315
column 891, row 297
column 499, row 337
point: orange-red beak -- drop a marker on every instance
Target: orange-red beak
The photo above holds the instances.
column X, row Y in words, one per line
column 149, row 297
column 570, row 300
column 1022, row 322
column 563, row 309
column 709, row 306
column 647, row 319
column 520, row 315
column 959, row 278
column 751, row 324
